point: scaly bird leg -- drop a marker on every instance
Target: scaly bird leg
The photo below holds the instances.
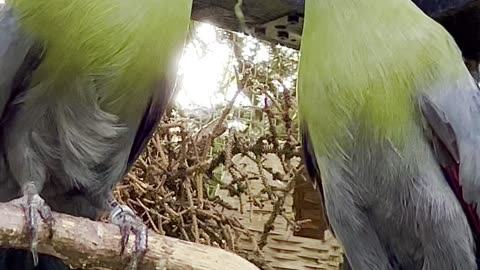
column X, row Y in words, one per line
column 35, row 209
column 126, row 219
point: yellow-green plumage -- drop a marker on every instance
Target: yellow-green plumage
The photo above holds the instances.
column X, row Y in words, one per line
column 131, row 41
column 83, row 86
column 346, row 45
column 390, row 127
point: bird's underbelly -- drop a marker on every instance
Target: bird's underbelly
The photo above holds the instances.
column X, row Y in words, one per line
column 410, row 214
column 396, row 227
column 65, row 149
column 404, row 196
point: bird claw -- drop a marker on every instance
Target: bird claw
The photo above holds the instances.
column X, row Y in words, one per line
column 35, row 209
column 128, row 222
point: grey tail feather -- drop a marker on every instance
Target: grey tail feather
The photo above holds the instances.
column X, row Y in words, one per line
column 16, row 259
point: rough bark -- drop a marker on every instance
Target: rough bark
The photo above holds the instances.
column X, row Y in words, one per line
column 87, row 244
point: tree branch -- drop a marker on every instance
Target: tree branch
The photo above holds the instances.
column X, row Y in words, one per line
column 87, row 244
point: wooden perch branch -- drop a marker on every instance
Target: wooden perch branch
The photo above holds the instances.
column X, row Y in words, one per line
column 87, row 244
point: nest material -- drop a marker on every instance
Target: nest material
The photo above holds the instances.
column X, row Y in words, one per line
column 173, row 186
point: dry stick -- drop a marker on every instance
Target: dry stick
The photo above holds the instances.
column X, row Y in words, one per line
column 158, row 145
column 274, row 101
column 277, row 209
column 83, row 243
column 272, row 126
column 214, row 133
column 188, row 189
column 265, row 183
column 289, row 104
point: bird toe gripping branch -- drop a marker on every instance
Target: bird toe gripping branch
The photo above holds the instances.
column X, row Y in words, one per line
column 35, row 210
column 126, row 219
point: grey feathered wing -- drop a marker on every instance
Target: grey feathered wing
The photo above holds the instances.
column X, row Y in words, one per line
column 452, row 117
column 19, row 57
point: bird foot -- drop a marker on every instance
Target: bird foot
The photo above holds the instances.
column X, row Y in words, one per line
column 35, row 210
column 126, row 219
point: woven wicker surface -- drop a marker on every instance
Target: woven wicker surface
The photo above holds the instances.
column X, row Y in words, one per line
column 287, row 252
column 284, row 250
